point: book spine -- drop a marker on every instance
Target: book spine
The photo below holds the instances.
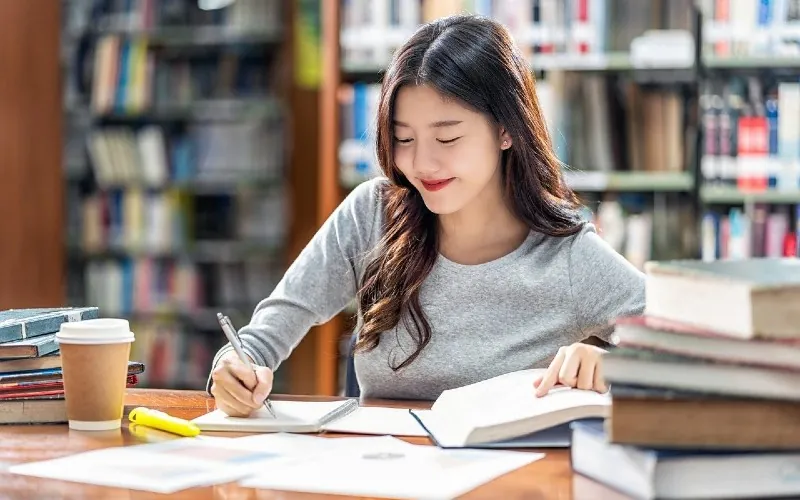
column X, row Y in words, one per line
column 51, row 323
column 10, row 333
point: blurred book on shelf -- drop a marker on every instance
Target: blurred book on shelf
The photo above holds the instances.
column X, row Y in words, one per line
column 146, row 15
column 550, row 33
column 643, row 228
column 175, row 169
column 742, row 28
column 755, row 230
column 750, row 130
column 602, row 123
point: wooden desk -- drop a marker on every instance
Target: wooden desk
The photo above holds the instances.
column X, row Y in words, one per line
column 549, row 478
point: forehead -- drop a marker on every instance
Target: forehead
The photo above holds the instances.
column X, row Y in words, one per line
column 421, row 104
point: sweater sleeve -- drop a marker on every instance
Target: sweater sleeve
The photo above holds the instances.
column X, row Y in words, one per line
column 604, row 285
column 320, row 282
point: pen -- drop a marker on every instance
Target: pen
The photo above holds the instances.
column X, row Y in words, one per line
column 233, row 338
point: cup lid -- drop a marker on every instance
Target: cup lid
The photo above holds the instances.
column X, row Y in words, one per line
column 95, row 331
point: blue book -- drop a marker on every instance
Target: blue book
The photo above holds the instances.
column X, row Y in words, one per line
column 33, row 347
column 646, row 473
column 21, row 324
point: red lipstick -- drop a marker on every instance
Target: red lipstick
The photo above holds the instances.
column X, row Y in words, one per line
column 436, row 185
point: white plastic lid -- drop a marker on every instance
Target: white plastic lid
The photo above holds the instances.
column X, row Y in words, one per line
column 95, row 331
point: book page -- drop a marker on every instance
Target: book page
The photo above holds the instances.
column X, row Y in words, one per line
column 508, row 398
column 289, row 415
column 379, row 421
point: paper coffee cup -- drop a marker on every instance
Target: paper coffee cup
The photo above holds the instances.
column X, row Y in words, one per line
column 94, row 357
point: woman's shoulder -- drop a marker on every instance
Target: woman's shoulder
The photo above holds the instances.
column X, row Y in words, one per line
column 585, row 230
column 368, row 191
column 365, row 201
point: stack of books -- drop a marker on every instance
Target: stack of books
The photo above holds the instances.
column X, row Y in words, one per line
column 31, row 382
column 705, row 386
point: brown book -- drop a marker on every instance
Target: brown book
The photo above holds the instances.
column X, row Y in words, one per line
column 34, row 411
column 704, row 423
column 29, row 348
column 30, row 364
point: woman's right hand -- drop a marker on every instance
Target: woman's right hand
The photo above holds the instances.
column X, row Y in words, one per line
column 237, row 388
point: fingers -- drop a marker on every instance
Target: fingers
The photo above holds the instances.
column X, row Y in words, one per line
column 227, row 403
column 232, row 391
column 578, row 365
column 263, row 386
column 586, row 375
column 233, row 384
column 599, row 382
column 244, row 373
column 568, row 375
column 550, row 377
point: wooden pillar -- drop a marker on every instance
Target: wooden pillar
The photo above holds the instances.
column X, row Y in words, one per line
column 32, row 267
column 330, row 190
column 312, row 367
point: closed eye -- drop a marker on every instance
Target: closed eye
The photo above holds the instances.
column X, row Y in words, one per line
column 448, row 141
column 403, row 141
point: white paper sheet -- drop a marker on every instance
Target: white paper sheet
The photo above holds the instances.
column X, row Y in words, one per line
column 304, row 445
column 160, row 467
column 170, row 466
column 378, row 421
column 391, row 469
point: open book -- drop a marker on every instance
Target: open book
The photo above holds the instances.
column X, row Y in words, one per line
column 501, row 410
column 291, row 416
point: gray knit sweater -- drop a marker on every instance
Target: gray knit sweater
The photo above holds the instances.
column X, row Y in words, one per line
column 508, row 314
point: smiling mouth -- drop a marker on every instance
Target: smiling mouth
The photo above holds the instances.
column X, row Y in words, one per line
column 437, row 185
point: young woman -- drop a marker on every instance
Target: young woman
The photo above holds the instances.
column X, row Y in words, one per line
column 469, row 259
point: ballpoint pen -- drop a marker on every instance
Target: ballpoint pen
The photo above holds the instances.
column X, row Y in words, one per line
column 233, row 337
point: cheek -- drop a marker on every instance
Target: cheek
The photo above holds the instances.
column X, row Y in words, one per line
column 472, row 165
column 403, row 158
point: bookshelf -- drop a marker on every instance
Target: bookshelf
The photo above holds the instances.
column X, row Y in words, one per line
column 176, row 171
column 750, row 108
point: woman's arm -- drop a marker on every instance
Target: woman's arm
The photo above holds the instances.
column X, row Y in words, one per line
column 318, row 284
column 604, row 286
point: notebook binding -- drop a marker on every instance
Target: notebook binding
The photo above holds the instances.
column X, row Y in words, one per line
column 343, row 410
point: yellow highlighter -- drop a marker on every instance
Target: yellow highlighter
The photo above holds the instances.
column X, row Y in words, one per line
column 160, row 420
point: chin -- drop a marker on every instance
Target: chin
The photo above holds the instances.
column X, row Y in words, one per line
column 441, row 205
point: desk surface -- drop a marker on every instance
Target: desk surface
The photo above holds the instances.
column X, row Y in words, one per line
column 549, row 478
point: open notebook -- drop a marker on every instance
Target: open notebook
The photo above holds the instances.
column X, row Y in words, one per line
column 291, row 416
column 504, row 412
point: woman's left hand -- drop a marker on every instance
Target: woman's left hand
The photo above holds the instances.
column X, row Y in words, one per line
column 579, row 365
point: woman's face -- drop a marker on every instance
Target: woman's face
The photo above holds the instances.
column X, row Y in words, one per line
column 449, row 152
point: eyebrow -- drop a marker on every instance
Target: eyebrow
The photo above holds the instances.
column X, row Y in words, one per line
column 439, row 124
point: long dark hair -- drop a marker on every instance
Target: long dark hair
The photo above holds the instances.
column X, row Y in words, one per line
column 475, row 61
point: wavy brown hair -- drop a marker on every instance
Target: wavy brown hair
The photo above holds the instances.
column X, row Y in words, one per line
column 473, row 60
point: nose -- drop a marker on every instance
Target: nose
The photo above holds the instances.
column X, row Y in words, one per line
column 424, row 161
